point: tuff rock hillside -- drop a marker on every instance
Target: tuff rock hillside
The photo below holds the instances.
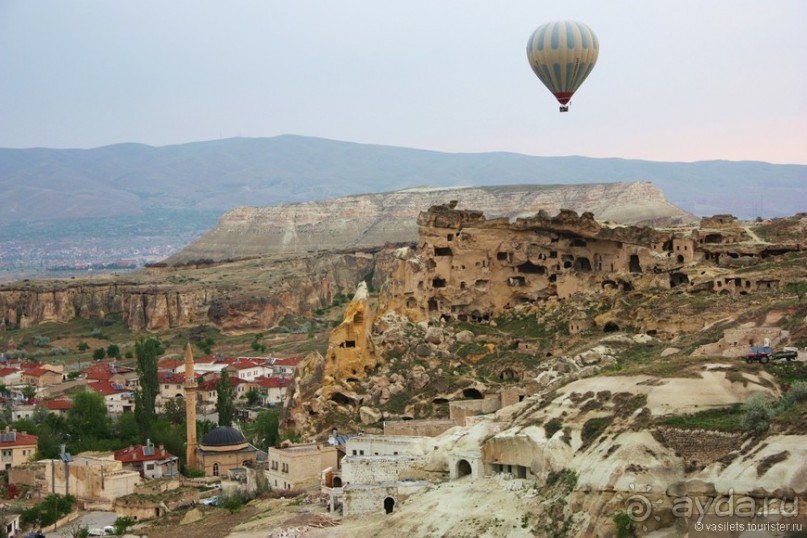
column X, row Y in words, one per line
column 561, row 367
column 237, row 296
column 372, row 220
column 262, row 264
column 541, row 371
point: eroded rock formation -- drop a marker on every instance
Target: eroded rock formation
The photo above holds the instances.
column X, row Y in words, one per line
column 470, row 268
column 351, row 351
column 245, row 295
column 375, row 219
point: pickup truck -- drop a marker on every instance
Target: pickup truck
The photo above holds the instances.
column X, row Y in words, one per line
column 764, row 354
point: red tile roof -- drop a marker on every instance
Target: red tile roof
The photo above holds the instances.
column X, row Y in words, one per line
column 211, row 384
column 170, row 364
column 8, row 371
column 106, row 388
column 244, row 363
column 37, row 372
column 170, row 377
column 103, row 371
column 271, row 382
column 136, row 454
column 17, row 439
column 57, row 405
column 287, row 361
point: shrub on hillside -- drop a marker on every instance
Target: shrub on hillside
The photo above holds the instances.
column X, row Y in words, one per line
column 552, row 427
column 758, row 413
column 592, row 429
column 796, row 394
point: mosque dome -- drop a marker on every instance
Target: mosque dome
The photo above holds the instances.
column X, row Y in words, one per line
column 223, row 436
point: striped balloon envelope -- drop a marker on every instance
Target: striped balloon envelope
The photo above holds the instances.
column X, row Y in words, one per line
column 562, row 54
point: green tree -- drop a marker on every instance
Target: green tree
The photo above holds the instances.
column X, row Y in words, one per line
column 147, row 350
column 113, row 350
column 225, row 406
column 29, row 391
column 253, row 396
column 174, row 410
column 233, row 502
column 83, row 346
column 24, row 425
column 206, row 345
column 87, row 418
column 123, row 524
column 126, row 429
column 265, row 429
column 257, row 345
column 799, row 288
column 170, row 435
column 50, row 435
column 99, row 354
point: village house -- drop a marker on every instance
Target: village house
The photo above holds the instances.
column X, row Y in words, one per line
column 113, row 373
column 22, row 411
column 16, row 447
column 11, row 524
column 118, row 398
column 40, row 377
column 248, row 368
column 148, row 460
column 171, row 386
column 55, row 368
column 285, row 366
column 207, row 365
column 208, row 389
column 96, row 476
column 10, row 376
column 273, row 388
column 57, row 407
column 379, row 471
column 298, row 466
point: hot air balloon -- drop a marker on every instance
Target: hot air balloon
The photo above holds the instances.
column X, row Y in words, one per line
column 562, row 54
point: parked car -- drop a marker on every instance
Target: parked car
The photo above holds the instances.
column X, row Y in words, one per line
column 210, row 501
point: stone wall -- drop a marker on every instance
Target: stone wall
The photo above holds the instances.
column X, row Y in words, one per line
column 367, row 500
column 32, row 474
column 460, row 410
column 375, row 469
column 92, row 477
column 380, row 445
column 421, row 428
column 699, row 447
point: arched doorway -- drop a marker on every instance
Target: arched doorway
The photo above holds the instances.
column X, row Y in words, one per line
column 337, row 482
column 389, row 505
column 463, row 468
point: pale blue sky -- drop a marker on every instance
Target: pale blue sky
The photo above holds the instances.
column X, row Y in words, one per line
column 677, row 80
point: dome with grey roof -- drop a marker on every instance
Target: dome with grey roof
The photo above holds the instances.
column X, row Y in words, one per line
column 223, row 436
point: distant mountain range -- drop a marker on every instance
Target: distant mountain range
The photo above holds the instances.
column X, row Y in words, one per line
column 132, row 179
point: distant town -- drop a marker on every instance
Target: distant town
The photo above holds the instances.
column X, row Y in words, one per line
column 77, row 247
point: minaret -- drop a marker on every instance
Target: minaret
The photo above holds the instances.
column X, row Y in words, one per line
column 190, row 408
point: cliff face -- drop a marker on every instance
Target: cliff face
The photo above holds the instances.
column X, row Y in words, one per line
column 143, row 307
column 248, row 295
column 375, row 219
